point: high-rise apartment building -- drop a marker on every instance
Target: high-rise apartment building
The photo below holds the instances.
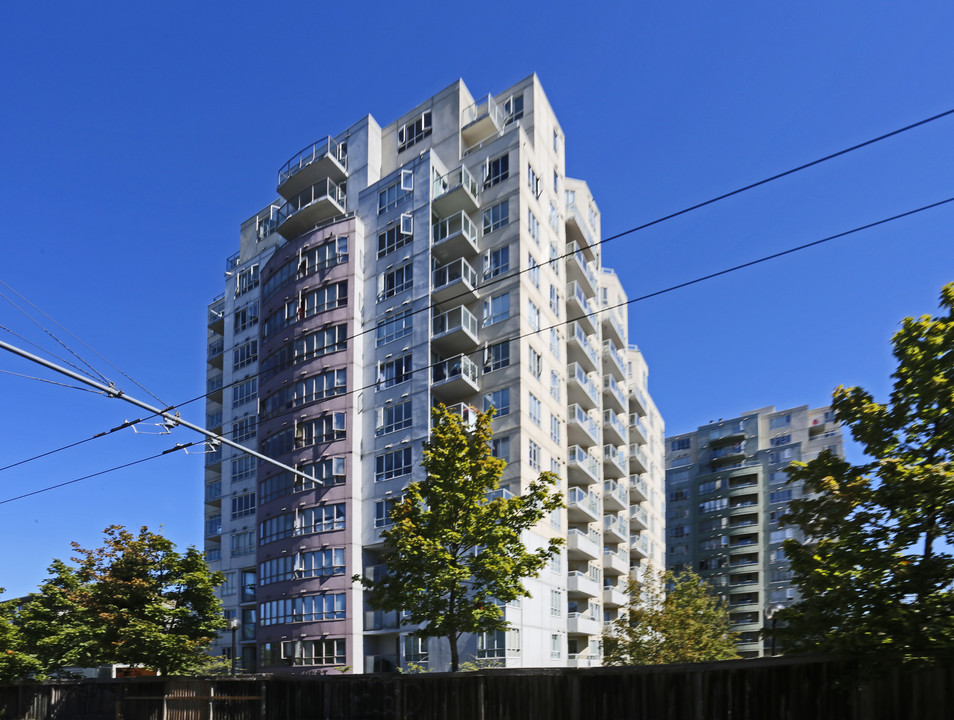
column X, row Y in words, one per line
column 443, row 258
column 726, row 489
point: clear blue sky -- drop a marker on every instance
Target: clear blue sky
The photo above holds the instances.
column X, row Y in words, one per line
column 135, row 138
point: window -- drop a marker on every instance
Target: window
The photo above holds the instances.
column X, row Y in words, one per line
column 246, row 280
column 245, row 354
column 277, row 570
column 496, row 216
column 556, row 344
column 533, row 271
column 243, row 543
column 496, row 308
column 513, row 108
column 244, row 392
column 394, row 372
column 324, row 298
column 383, row 510
column 778, row 477
column 395, row 281
column 321, row 563
column 556, row 182
column 394, row 417
column 325, row 428
column 533, row 456
column 498, row 644
column 414, row 131
column 326, row 472
column 705, row 545
column 392, row 239
column 392, row 465
column 500, row 448
column 555, row 385
column 779, row 421
column 780, row 496
column 228, row 586
column 318, row 387
column 781, row 440
column 533, row 182
column 415, row 650
column 536, row 363
column 310, row 652
column 555, row 647
column 533, row 226
column 392, row 196
column 245, row 429
column 556, row 603
column 245, row 317
column 713, row 505
column 321, row 519
column 496, row 170
column 497, row 356
column 555, row 300
column 777, row 536
column 321, row 342
column 243, row 468
column 499, row 400
column 709, row 486
column 554, row 221
column 310, row 608
column 535, row 411
column 533, row 315
column 277, row 528
column 680, row 444
column 556, row 430
column 243, row 505
column 556, row 140
column 497, row 262
column 779, row 456
column 400, row 326
column 334, row 252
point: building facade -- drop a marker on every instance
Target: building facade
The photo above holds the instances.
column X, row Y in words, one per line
column 726, row 490
column 444, row 258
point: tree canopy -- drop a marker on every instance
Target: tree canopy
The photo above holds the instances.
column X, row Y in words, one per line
column 455, row 551
column 875, row 571
column 135, row 601
column 673, row 618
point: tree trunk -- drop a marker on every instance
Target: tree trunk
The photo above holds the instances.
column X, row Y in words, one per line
column 453, row 647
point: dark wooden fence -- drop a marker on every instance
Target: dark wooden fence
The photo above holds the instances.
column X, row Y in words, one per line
column 767, row 689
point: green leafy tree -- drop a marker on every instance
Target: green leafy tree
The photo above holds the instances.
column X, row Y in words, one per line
column 135, row 600
column 16, row 660
column 876, row 572
column 454, row 551
column 673, row 618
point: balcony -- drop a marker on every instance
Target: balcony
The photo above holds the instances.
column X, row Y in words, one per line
column 727, row 455
column 582, row 546
column 613, row 429
column 213, row 492
column 582, row 624
column 578, row 270
column 213, row 420
column 581, row 429
column 638, row 488
column 454, row 331
column 578, row 228
column 456, row 281
column 213, row 388
column 580, row 389
column 213, row 526
column 580, row 350
column 615, row 496
column 213, row 458
column 582, row 506
column 613, row 327
column 638, row 518
column 615, row 563
column 216, row 350
column 613, row 396
column 614, row 530
column 638, row 546
column 381, row 620
column 582, row 468
column 614, row 462
column 454, row 379
column 614, row 361
column 312, row 206
column 480, row 120
column 579, row 308
column 637, row 430
column 638, row 402
column 217, row 315
column 614, row 597
column 728, row 433
column 323, row 159
column 467, row 413
column 579, row 583
column 638, row 462
column 455, row 192
column 454, row 237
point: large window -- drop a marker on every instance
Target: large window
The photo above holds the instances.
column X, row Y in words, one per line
column 321, row 342
column 497, row 356
column 500, row 448
column 325, row 428
column 399, row 326
column 498, row 644
column 310, row 608
column 392, row 196
column 535, row 409
column 496, row 309
column 243, row 468
column 321, row 519
column 246, row 280
column 496, row 170
column 392, row 239
column 245, row 317
column 396, row 281
column 243, row 543
column 496, row 261
column 499, row 400
column 245, row 429
column 243, row 505
column 324, row 298
column 533, row 315
column 245, row 354
column 393, row 464
column 496, row 216
column 244, row 392
column 414, row 131
column 513, row 108
column 327, row 472
column 394, row 417
column 318, row 387
column 314, row 652
column 394, row 372
column 321, row 563
column 383, row 510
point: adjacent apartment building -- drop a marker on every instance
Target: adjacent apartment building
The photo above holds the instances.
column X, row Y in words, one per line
column 726, row 490
column 443, row 258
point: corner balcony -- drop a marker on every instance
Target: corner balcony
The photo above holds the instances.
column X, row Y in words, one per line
column 480, row 120
column 456, row 281
column 323, row 159
column 314, row 205
column 580, row 350
column 637, row 402
column 638, row 546
column 638, row 518
column 216, row 351
column 581, row 429
column 454, row 237
column 638, row 462
column 614, row 462
column 455, row 192
column 613, row 597
column 454, row 331
column 454, row 379
column 578, row 270
column 580, row 389
column 582, row 624
column 615, row 563
column 727, row 455
column 728, row 433
column 581, row 546
column 638, row 488
column 580, row 308
column 213, row 387
column 613, row 429
column 579, row 583
column 614, row 529
column 577, row 227
column 613, row 327
column 615, row 496
column 217, row 315
column 613, row 361
column 582, row 506
column 613, row 395
column 637, row 430
column 582, row 468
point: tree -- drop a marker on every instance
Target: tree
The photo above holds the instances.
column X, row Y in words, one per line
column 454, row 552
column 874, row 573
column 15, row 659
column 135, row 600
column 674, row 618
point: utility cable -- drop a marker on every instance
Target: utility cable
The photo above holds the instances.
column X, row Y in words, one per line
column 51, row 382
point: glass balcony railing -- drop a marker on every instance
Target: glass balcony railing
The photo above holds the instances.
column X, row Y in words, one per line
column 576, row 497
column 213, row 419
column 214, row 383
column 216, row 348
column 639, row 514
column 580, row 457
column 612, row 419
column 609, row 348
column 581, row 337
column 457, row 224
column 574, row 250
column 213, row 526
column 614, row 388
column 611, row 488
column 454, row 272
column 579, row 375
column 213, row 491
column 324, row 148
column 500, row 494
column 459, row 317
column 459, row 178
column 460, row 366
column 323, row 189
column 580, row 416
